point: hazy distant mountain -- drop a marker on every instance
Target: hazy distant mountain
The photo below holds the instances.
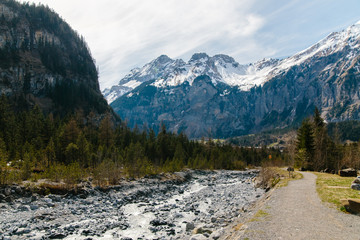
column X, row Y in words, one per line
column 44, row 61
column 219, row 97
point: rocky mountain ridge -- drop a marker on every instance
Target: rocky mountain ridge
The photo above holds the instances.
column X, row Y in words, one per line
column 168, row 72
column 216, row 96
column 223, row 68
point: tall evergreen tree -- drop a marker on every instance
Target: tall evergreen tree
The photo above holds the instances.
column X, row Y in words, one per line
column 84, row 150
column 50, row 152
column 305, row 145
column 3, row 163
column 180, row 154
column 320, row 142
column 70, row 133
column 106, row 132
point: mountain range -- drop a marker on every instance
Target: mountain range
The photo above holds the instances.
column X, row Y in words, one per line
column 218, row 97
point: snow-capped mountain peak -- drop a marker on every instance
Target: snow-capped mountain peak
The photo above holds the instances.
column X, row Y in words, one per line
column 163, row 59
column 167, row 72
column 334, row 42
column 199, row 57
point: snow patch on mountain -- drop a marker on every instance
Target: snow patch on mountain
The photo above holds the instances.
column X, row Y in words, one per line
column 132, row 84
column 114, row 92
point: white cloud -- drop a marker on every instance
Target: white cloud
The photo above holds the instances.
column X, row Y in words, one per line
column 124, row 34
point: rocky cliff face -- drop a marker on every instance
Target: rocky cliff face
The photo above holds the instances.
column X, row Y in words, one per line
column 43, row 61
column 215, row 96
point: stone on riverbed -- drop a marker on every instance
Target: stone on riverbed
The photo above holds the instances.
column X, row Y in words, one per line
column 357, row 180
column 34, row 207
column 23, row 208
column 356, row 184
column 189, row 226
column 217, row 234
column 2, row 197
column 198, row 237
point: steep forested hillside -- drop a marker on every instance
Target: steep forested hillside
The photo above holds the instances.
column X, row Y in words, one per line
column 44, row 61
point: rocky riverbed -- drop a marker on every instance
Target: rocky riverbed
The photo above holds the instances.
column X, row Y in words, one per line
column 194, row 205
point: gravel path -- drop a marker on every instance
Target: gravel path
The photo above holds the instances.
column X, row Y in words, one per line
column 296, row 212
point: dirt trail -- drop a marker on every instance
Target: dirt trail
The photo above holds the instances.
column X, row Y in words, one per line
column 296, row 212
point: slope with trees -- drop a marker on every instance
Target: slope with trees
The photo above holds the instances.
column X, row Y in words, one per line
column 44, row 62
column 34, row 145
column 316, row 150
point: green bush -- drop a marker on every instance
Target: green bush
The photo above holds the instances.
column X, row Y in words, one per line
column 73, row 173
column 4, row 174
column 26, row 167
column 139, row 168
column 239, row 165
column 173, row 166
column 108, row 172
column 13, row 176
column 55, row 172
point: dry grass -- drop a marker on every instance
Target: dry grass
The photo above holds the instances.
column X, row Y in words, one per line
column 332, row 188
column 238, row 226
column 284, row 176
column 260, row 215
column 271, row 177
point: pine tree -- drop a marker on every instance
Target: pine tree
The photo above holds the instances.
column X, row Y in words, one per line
column 26, row 168
column 3, row 163
column 8, row 127
column 163, row 145
column 320, row 142
column 106, row 132
column 318, row 120
column 180, row 154
column 70, row 133
column 49, row 127
column 84, row 150
column 50, row 152
column 305, row 145
column 72, row 153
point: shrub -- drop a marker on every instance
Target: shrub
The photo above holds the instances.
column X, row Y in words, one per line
column 239, row 165
column 55, row 172
column 4, row 174
column 268, row 177
column 173, row 165
column 73, row 173
column 26, row 167
column 108, row 172
column 141, row 167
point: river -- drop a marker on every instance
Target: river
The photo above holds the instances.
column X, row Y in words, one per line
column 202, row 202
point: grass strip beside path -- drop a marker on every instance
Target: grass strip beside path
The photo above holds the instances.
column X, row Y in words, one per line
column 332, row 188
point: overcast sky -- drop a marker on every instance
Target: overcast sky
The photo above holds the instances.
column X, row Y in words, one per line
column 126, row 34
